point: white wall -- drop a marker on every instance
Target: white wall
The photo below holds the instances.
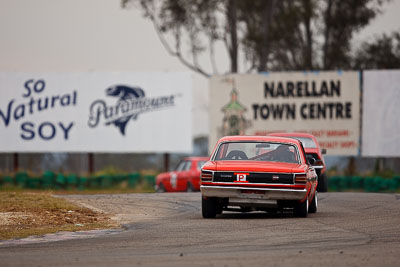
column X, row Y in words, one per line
column 381, row 113
column 98, row 35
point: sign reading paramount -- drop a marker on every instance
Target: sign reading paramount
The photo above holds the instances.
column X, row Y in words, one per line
column 325, row 104
column 99, row 112
column 131, row 102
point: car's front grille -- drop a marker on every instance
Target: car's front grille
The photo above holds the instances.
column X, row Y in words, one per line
column 254, row 177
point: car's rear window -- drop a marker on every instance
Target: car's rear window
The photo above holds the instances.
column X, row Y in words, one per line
column 307, row 141
column 257, row 151
column 184, row 165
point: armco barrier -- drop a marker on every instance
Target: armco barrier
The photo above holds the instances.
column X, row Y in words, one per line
column 7, row 180
column 367, row 184
column 20, row 179
column 33, row 182
column 150, row 179
column 72, row 181
column 356, row 182
column 60, row 181
column 133, row 179
column 94, row 182
column 48, row 179
column 51, row 180
column 82, row 183
column 106, row 181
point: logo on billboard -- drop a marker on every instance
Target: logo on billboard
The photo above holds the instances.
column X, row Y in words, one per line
column 234, row 122
column 131, row 102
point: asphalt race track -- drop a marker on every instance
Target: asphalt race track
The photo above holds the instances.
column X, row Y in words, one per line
column 349, row 229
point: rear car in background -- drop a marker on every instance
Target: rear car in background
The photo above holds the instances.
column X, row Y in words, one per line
column 313, row 151
column 185, row 177
column 264, row 173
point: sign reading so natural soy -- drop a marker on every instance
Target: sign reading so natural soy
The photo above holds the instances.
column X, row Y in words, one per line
column 96, row 112
column 34, row 100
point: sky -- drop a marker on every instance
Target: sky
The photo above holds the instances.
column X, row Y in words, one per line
column 386, row 22
column 98, row 35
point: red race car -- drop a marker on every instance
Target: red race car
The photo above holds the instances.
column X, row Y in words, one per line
column 266, row 173
column 185, row 177
column 314, row 151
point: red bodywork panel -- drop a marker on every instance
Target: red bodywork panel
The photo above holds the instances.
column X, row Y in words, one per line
column 238, row 184
column 177, row 181
column 252, row 166
column 256, row 166
column 308, row 150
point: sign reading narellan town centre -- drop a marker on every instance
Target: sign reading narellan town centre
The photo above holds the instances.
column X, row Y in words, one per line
column 95, row 112
column 325, row 104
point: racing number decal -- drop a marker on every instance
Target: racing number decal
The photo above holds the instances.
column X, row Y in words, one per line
column 241, row 177
column 173, row 180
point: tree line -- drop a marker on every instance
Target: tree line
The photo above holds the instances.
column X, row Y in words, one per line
column 271, row 35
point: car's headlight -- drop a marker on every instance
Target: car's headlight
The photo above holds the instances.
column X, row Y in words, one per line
column 206, row 176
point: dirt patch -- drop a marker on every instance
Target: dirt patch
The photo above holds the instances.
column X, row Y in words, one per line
column 25, row 214
column 9, row 218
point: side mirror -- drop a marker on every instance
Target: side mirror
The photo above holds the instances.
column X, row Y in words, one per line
column 323, row 151
column 311, row 161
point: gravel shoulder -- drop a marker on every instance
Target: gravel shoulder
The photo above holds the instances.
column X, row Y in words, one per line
column 25, row 214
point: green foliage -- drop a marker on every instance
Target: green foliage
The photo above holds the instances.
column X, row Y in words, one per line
column 189, row 23
column 109, row 170
column 351, row 167
column 275, row 35
column 380, row 170
column 381, row 53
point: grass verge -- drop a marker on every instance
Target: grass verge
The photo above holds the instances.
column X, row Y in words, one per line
column 24, row 214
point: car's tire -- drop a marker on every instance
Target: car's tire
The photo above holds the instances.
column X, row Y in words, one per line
column 189, row 187
column 322, row 183
column 222, row 202
column 161, row 188
column 301, row 209
column 209, row 207
column 220, row 208
column 245, row 209
column 314, row 204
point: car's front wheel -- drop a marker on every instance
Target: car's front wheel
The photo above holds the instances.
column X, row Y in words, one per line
column 160, row 188
column 322, row 183
column 189, row 187
column 314, row 204
column 209, row 207
column 301, row 209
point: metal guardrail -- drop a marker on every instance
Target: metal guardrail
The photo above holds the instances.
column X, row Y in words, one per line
column 51, row 180
column 367, row 184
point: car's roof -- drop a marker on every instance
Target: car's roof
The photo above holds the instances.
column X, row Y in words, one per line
column 294, row 134
column 260, row 138
column 197, row 158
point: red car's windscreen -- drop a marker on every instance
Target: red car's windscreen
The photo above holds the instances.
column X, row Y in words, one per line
column 307, row 141
column 257, row 151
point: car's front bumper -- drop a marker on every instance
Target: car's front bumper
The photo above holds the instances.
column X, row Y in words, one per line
column 253, row 193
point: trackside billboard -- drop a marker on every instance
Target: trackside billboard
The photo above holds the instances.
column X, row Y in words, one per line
column 95, row 112
column 325, row 104
column 381, row 113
